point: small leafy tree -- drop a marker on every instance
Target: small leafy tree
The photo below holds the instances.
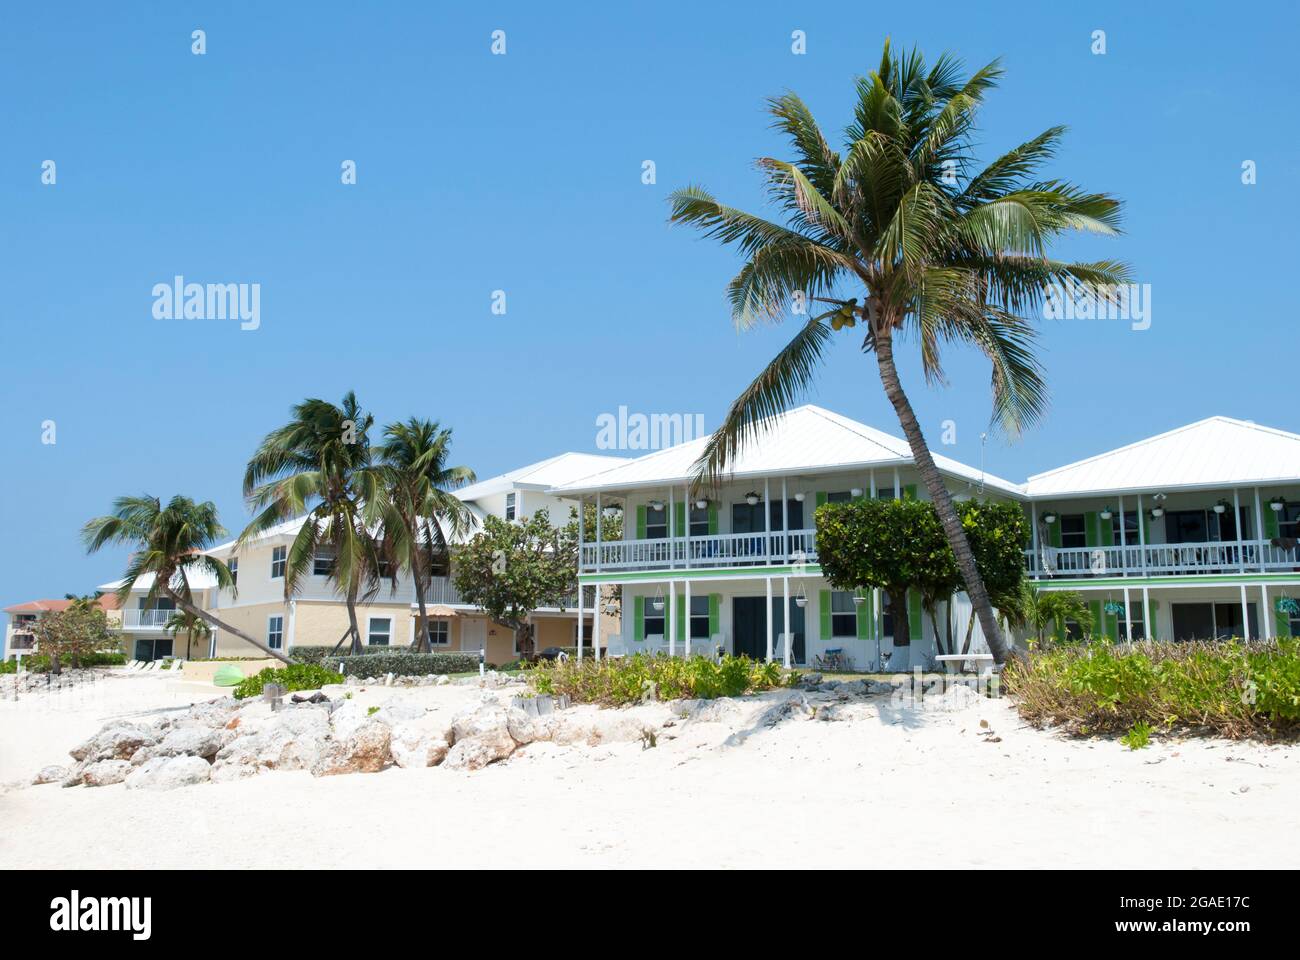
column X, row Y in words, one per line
column 1037, row 610
column 79, row 630
column 900, row 545
column 511, row 568
column 189, row 624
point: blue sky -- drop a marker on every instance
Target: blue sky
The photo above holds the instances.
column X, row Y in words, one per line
column 523, row 173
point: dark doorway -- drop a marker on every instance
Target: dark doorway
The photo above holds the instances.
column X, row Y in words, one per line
column 1212, row 621
column 749, row 626
column 796, row 626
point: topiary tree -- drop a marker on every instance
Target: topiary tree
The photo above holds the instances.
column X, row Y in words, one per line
column 900, row 545
column 511, row 568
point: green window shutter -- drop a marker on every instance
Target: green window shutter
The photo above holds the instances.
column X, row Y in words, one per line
column 1106, row 528
column 713, row 518
column 821, row 497
column 640, row 522
column 915, row 616
column 682, row 616
column 1089, row 529
column 1270, row 523
column 715, row 604
column 680, row 529
column 1097, row 611
column 1146, row 531
column 1281, row 623
column 1112, row 624
column 638, row 618
column 824, row 611
column 909, row 492
column 864, row 615
column 1054, row 532
column 1151, row 627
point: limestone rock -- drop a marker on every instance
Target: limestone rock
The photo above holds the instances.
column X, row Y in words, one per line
column 101, row 773
column 168, row 773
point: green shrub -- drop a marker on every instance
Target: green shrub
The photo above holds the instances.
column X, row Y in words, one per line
column 314, row 654
column 1233, row 689
column 38, row 663
column 296, row 676
column 402, row 664
column 632, row 679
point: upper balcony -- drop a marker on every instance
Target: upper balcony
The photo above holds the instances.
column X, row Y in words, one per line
column 701, row 552
column 1164, row 559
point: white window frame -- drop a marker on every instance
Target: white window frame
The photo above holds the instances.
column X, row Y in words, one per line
column 511, row 502
column 279, row 555
column 324, row 553
column 851, row 612
column 387, row 634
column 275, row 631
column 233, row 566
column 445, row 626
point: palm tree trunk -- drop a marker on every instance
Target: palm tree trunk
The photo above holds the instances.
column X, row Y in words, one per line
column 221, row 625
column 979, row 597
column 421, row 644
column 352, row 621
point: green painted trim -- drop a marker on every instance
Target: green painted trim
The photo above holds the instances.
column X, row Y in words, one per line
column 821, row 497
column 713, row 518
column 640, row 522
column 1090, row 538
column 683, row 615
column 638, row 618
column 694, row 573
column 715, row 605
column 824, row 613
column 864, row 615
column 682, row 528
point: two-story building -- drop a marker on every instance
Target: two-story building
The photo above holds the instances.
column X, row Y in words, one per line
column 20, row 640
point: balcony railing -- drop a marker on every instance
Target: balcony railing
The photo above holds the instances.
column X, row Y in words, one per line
column 712, row 550
column 23, row 641
column 1163, row 559
column 146, row 619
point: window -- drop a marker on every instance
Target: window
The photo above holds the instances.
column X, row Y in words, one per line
column 839, row 496
column 586, row 633
column 381, row 631
column 656, row 522
column 233, row 566
column 699, row 618
column 1288, row 519
column 655, row 619
column 1130, row 529
column 278, row 555
column 439, row 633
column 699, row 521
column 323, row 563
column 1072, row 531
column 1135, row 613
column 887, row 619
column 275, row 632
column 844, row 614
column 510, row 506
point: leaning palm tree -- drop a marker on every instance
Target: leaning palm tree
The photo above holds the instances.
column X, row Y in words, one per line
column 168, row 544
column 1038, row 610
column 319, row 464
column 418, row 484
column 192, row 626
column 932, row 251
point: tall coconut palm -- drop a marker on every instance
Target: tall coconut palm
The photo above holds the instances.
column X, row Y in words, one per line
column 168, row 543
column 319, row 465
column 418, row 483
column 931, row 249
column 191, row 626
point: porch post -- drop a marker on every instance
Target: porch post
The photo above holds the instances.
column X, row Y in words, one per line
column 672, row 530
column 1245, row 615
column 579, row 606
column 768, row 618
column 898, row 490
column 1265, row 615
column 595, row 628
column 582, row 504
column 1148, row 627
column 1259, row 530
column 1236, row 526
column 672, row 619
column 785, row 524
column 1123, row 546
column 785, row 623
column 1128, row 622
column 767, row 533
column 871, row 477
column 598, row 538
column 1033, row 532
column 1142, row 546
column 686, row 556
column 687, row 614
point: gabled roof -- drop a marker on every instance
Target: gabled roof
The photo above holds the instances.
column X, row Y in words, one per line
column 199, row 580
column 107, row 602
column 1215, row 452
column 552, row 472
column 805, row 440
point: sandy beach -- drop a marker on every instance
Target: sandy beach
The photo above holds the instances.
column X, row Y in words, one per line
column 874, row 786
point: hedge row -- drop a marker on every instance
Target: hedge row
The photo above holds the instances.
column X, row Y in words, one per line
column 401, row 664
column 39, row 663
column 310, row 654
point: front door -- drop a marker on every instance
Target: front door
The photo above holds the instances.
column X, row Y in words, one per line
column 749, row 627
column 473, row 634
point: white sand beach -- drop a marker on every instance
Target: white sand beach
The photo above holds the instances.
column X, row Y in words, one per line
column 874, row 786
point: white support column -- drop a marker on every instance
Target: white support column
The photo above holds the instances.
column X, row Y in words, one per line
column 1033, row 533
column 686, row 550
column 1128, row 621
column 1265, row 614
column 599, row 536
column 1148, row 628
column 785, row 523
column 292, row 626
column 672, row 531
column 582, row 522
column 1142, row 548
column 595, row 628
column 687, row 614
column 1245, row 615
column 871, row 478
column 767, row 523
column 1236, row 526
column 1123, row 546
column 768, row 618
column 898, row 489
column 580, row 611
column 1259, row 530
column 785, row 625
column 672, row 619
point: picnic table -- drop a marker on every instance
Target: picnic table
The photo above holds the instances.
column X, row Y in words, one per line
column 980, row 659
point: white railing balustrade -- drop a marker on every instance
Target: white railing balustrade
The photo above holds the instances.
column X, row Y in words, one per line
column 1162, row 559
column 711, row 550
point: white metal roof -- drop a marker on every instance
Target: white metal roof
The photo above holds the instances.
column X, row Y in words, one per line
column 807, row 439
column 199, row 580
column 551, row 472
column 1215, row 452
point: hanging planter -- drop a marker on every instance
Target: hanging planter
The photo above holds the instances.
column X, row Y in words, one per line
column 859, row 599
column 751, row 498
column 1288, row 605
column 701, row 504
column 1114, row 607
column 1157, row 513
column 657, row 602
column 1221, row 507
column 1107, row 513
column 801, row 598
column 1277, row 503
column 798, row 498
column 1049, row 518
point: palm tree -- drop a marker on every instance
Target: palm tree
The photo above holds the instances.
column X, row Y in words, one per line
column 418, row 482
column 938, row 254
column 319, row 464
column 169, row 543
column 1037, row 610
column 193, row 627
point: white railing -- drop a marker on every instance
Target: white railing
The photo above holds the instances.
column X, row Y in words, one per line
column 153, row 619
column 711, row 550
column 1233, row 556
